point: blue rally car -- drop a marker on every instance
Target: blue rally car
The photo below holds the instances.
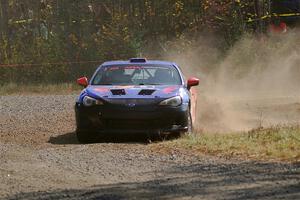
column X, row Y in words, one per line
column 135, row 96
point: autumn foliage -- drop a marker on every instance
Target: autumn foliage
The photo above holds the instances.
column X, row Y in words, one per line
column 59, row 36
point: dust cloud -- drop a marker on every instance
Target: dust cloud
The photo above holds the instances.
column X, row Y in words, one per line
column 256, row 84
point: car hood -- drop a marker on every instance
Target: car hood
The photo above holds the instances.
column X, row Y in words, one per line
column 140, row 91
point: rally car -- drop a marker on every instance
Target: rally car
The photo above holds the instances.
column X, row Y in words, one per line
column 135, row 96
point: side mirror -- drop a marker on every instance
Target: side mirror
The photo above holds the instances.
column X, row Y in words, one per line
column 192, row 82
column 83, row 81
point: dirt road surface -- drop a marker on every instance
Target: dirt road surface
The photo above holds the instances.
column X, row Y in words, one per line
column 41, row 159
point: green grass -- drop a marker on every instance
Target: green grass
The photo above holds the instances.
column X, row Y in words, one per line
column 277, row 143
column 62, row 88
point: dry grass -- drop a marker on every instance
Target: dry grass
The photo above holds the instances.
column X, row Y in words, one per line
column 277, row 144
column 62, row 88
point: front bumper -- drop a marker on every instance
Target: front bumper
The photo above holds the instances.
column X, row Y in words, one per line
column 107, row 119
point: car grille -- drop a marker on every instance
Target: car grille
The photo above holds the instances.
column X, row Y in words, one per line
column 124, row 105
column 133, row 124
column 130, row 124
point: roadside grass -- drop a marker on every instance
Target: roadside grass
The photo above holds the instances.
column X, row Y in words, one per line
column 61, row 88
column 270, row 144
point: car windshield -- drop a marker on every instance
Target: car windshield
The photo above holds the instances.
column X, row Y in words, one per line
column 137, row 75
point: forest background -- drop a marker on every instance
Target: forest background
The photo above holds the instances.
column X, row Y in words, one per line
column 55, row 41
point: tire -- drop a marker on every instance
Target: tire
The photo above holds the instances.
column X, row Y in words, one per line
column 85, row 137
column 189, row 125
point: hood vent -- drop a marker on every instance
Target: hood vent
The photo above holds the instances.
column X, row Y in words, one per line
column 146, row 92
column 118, row 92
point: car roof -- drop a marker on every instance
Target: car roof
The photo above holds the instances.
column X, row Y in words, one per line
column 147, row 62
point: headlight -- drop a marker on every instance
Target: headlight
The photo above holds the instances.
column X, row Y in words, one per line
column 89, row 101
column 174, row 101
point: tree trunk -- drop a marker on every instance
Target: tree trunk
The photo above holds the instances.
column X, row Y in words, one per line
column 4, row 17
column 4, row 26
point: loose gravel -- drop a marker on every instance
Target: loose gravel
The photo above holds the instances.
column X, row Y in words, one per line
column 41, row 159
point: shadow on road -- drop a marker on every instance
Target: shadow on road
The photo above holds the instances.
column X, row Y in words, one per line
column 67, row 138
column 247, row 180
column 70, row 138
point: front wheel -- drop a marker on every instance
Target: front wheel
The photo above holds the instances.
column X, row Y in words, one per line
column 85, row 137
column 190, row 124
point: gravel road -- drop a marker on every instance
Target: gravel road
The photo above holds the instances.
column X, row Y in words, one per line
column 41, row 159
